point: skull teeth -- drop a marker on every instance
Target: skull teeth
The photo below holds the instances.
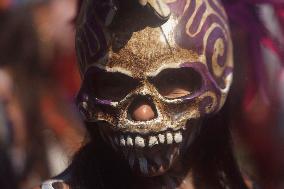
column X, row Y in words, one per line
column 148, row 141
column 178, row 137
column 139, row 142
column 122, row 141
column 129, row 141
column 161, row 138
column 153, row 141
column 169, row 138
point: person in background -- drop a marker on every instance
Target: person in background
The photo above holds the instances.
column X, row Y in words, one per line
column 42, row 128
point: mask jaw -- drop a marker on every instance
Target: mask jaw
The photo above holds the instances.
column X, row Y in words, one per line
column 156, row 160
column 152, row 147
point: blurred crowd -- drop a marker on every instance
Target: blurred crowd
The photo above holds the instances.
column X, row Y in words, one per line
column 40, row 128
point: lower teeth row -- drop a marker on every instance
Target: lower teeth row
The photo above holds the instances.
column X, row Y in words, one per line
column 149, row 141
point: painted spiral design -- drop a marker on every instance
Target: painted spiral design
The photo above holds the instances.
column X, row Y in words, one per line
column 203, row 28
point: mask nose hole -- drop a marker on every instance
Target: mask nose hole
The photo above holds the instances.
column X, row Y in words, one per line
column 142, row 109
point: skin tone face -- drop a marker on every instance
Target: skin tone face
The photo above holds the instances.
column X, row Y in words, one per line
column 144, row 112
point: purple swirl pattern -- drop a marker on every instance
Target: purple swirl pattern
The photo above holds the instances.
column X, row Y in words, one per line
column 203, row 28
column 198, row 26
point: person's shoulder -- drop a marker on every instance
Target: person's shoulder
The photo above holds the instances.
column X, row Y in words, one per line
column 53, row 184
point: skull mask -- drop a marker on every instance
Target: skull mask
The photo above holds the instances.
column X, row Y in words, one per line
column 128, row 51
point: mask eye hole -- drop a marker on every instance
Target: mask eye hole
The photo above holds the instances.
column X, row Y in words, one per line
column 177, row 83
column 110, row 86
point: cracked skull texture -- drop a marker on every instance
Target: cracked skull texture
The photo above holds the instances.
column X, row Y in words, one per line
column 128, row 51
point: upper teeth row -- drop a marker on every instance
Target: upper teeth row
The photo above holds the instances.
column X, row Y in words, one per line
column 150, row 141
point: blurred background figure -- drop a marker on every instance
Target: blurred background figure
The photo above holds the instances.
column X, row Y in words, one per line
column 7, row 176
column 5, row 4
column 257, row 108
column 40, row 128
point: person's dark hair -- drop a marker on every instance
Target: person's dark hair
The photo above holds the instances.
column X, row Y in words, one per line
column 7, row 176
